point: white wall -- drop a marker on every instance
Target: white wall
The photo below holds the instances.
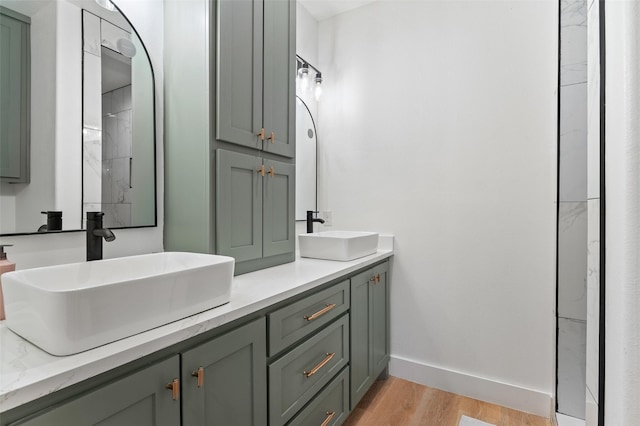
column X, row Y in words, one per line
column 439, row 126
column 622, row 227
column 30, row 251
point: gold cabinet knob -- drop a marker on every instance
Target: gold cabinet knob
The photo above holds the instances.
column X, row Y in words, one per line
column 314, row 370
column 199, row 373
column 260, row 134
column 321, row 312
column 327, row 420
column 174, row 386
column 260, row 171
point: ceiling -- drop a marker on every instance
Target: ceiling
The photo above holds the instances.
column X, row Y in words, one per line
column 323, row 9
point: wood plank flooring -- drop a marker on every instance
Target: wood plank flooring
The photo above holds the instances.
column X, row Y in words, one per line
column 397, row 402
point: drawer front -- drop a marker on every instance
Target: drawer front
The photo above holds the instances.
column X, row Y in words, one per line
column 293, row 322
column 330, row 407
column 299, row 375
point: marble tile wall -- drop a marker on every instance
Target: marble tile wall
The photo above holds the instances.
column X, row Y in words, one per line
column 116, row 157
column 571, row 366
column 593, row 214
column 573, row 214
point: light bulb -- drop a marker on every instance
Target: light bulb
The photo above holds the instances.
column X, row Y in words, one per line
column 318, row 89
column 303, row 73
column 304, row 82
column 106, row 4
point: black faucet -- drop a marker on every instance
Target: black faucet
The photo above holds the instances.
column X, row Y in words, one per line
column 95, row 234
column 54, row 221
column 311, row 219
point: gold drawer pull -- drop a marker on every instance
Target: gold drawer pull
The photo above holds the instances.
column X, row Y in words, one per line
column 272, row 137
column 272, row 171
column 260, row 134
column 199, row 373
column 375, row 279
column 175, row 388
column 330, row 416
column 261, row 170
column 320, row 313
column 322, row 363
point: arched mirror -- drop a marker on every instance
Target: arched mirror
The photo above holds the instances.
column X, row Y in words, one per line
column 306, row 148
column 90, row 110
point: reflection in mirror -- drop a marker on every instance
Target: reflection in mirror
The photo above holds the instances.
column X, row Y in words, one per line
column 118, row 138
column 306, row 145
column 64, row 116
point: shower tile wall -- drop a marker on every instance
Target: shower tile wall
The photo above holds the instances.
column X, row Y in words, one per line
column 116, row 157
column 572, row 216
column 593, row 216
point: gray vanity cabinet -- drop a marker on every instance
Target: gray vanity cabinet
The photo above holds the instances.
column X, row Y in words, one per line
column 14, row 96
column 325, row 349
column 255, row 207
column 225, row 380
column 139, row 399
column 369, row 329
column 255, row 82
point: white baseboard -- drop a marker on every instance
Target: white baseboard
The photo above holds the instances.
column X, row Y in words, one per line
column 506, row 395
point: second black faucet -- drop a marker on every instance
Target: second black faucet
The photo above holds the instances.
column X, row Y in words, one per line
column 311, row 220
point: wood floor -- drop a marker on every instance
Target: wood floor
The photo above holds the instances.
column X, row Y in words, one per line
column 397, row 402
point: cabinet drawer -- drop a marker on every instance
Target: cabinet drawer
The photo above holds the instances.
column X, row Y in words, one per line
column 330, row 406
column 291, row 323
column 297, row 377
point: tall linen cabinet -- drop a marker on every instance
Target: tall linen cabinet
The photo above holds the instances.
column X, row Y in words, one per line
column 230, row 129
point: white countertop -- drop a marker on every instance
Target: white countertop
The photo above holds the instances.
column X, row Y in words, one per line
column 28, row 373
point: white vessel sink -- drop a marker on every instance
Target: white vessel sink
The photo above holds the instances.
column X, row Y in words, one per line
column 67, row 309
column 338, row 245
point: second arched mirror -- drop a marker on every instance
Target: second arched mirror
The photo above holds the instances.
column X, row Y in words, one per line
column 306, row 148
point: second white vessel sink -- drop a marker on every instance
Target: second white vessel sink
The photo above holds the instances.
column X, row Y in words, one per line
column 67, row 309
column 338, row 245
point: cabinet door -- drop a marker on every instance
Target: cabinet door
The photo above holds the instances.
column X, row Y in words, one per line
column 139, row 399
column 361, row 336
column 380, row 319
column 279, row 78
column 238, row 205
column 239, row 71
column 278, row 222
column 369, row 329
column 14, row 99
column 233, row 385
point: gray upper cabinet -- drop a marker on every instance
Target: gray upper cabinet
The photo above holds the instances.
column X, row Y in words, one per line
column 278, row 208
column 14, row 96
column 255, row 207
column 225, row 380
column 255, row 82
column 239, row 79
column 279, row 79
column 139, row 399
column 369, row 329
column 230, row 86
column 239, row 199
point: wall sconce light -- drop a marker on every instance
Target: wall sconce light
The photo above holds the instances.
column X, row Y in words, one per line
column 305, row 77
